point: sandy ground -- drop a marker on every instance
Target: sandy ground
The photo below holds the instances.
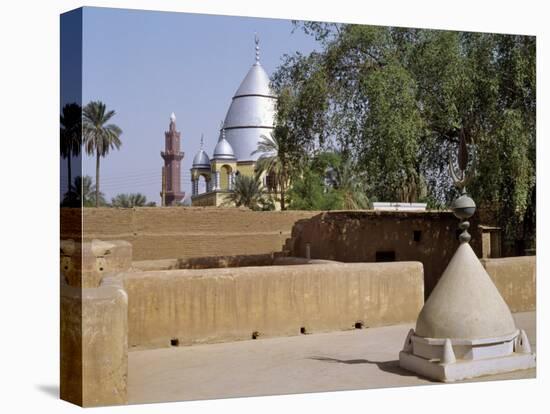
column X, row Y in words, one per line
column 357, row 359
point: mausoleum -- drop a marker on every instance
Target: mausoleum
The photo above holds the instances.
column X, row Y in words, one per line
column 250, row 117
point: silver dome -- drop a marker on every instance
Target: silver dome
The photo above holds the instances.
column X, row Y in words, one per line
column 251, row 114
column 223, row 151
column 256, row 82
column 247, row 111
column 201, row 160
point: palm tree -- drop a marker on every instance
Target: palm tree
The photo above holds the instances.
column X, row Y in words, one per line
column 129, row 200
column 274, row 160
column 71, row 139
column 249, row 192
column 83, row 192
column 99, row 136
column 344, row 178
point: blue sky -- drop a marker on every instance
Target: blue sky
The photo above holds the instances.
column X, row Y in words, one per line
column 145, row 65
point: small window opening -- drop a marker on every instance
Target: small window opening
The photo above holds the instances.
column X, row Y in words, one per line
column 303, row 330
column 255, row 335
column 417, row 235
column 174, row 342
column 359, row 325
column 385, row 256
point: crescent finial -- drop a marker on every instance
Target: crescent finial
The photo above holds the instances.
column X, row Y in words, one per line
column 257, row 48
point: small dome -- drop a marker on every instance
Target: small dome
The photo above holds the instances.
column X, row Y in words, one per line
column 201, row 160
column 224, row 150
column 465, row 303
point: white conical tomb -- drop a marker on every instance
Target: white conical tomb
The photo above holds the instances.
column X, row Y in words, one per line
column 465, row 303
column 465, row 328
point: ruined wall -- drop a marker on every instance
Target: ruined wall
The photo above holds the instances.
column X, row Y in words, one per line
column 94, row 322
column 86, row 264
column 213, row 305
column 184, row 232
column 515, row 278
column 370, row 236
column 94, row 346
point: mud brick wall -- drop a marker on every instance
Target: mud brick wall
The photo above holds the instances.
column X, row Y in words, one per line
column 185, row 232
column 515, row 278
column 371, row 236
column 184, row 307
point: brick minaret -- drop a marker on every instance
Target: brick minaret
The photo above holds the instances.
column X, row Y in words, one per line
column 172, row 157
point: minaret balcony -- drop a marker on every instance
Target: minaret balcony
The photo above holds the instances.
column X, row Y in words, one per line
column 172, row 155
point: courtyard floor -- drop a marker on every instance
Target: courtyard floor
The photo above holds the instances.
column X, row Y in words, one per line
column 357, row 359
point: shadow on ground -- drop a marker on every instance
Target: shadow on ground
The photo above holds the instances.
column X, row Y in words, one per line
column 50, row 389
column 386, row 366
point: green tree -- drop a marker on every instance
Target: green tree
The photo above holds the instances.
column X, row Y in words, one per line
column 396, row 101
column 99, row 136
column 249, row 192
column 309, row 192
column 329, row 182
column 71, row 140
column 391, row 132
column 129, row 200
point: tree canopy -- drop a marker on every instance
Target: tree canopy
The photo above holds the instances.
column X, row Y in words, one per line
column 83, row 193
column 249, row 192
column 129, row 200
column 394, row 102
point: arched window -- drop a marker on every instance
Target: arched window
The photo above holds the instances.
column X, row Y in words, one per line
column 202, row 184
column 224, row 177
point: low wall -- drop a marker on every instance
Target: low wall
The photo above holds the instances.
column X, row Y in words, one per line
column 515, row 278
column 94, row 347
column 181, row 307
column 184, row 232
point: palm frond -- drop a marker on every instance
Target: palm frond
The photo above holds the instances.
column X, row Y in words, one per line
column 99, row 136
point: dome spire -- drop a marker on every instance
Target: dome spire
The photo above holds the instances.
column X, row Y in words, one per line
column 257, row 48
column 201, row 159
column 222, row 130
column 173, row 117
